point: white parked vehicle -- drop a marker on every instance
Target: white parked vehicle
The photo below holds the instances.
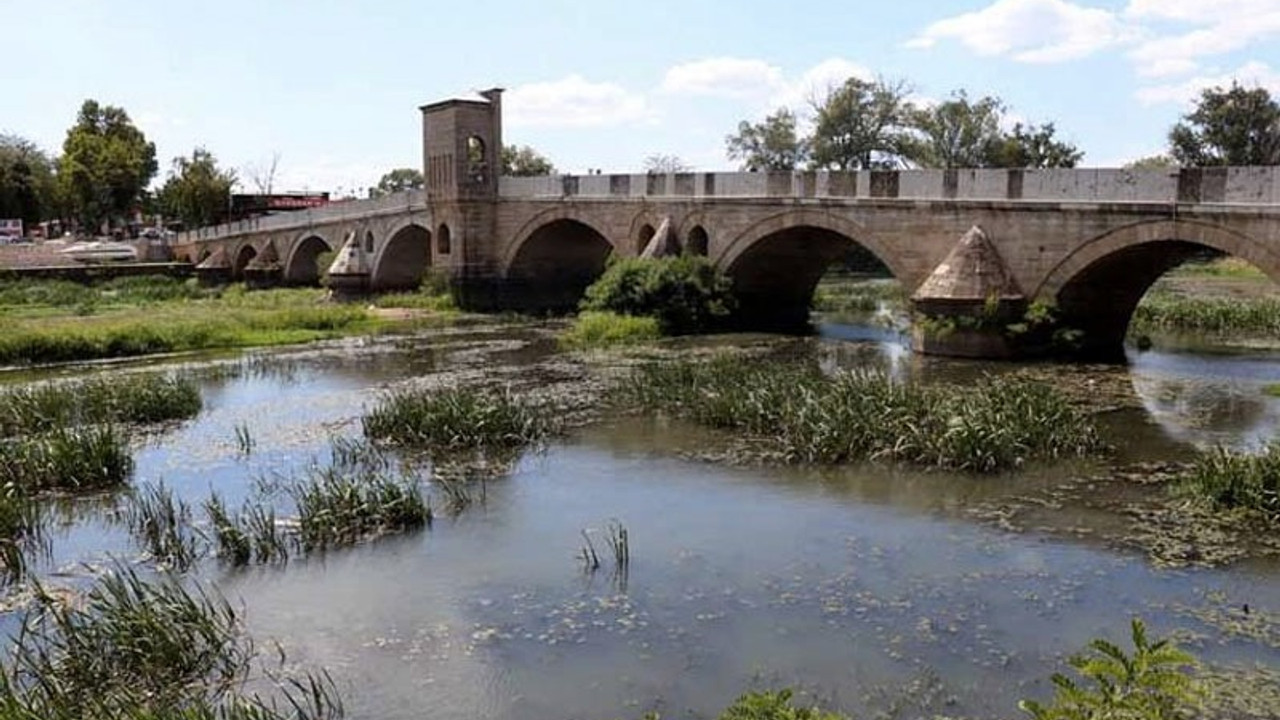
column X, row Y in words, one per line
column 97, row 251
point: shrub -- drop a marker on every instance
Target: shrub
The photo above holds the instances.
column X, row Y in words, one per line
column 685, row 294
column 595, row 329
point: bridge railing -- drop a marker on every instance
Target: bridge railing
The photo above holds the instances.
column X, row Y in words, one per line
column 332, row 212
column 1229, row 185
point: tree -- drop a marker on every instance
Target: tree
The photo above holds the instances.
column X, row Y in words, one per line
column 1032, row 146
column 1152, row 162
column 861, row 124
column 770, row 145
column 263, row 176
column 524, row 161
column 958, row 133
column 659, row 163
column 1235, row 126
column 106, row 164
column 398, row 180
column 198, row 192
column 27, row 186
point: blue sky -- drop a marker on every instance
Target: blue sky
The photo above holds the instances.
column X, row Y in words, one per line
column 333, row 87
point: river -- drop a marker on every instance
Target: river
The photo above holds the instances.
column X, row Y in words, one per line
column 871, row 588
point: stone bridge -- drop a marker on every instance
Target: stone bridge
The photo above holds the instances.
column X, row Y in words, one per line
column 1090, row 241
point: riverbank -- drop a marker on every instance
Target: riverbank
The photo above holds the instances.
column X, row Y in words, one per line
column 57, row 321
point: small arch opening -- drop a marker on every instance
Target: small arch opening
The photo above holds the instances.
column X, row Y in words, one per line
column 444, row 240
column 244, row 256
column 368, row 241
column 477, row 164
column 697, row 243
column 642, row 240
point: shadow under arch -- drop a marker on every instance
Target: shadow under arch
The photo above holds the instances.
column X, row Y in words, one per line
column 553, row 266
column 302, row 266
column 404, row 259
column 776, row 266
column 244, row 256
column 1098, row 287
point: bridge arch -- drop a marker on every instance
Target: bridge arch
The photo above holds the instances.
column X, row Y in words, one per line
column 776, row 264
column 302, row 266
column 1098, row 285
column 405, row 258
column 244, row 255
column 552, row 265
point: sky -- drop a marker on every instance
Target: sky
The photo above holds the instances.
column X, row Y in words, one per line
column 332, row 88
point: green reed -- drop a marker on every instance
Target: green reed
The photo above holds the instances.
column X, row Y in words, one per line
column 252, row 535
column 1165, row 312
column 135, row 648
column 22, row 532
column 460, row 418
column 162, row 524
column 992, row 425
column 1230, row 479
column 340, row 508
column 133, row 399
column 71, row 459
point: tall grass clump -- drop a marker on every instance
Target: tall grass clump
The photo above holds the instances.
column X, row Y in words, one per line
column 597, row 329
column 460, row 418
column 685, row 294
column 336, row 508
column 135, row 648
column 252, row 535
column 140, row 399
column 1164, row 312
column 83, row 458
column 992, row 425
column 21, row 532
column 162, row 523
column 1229, row 479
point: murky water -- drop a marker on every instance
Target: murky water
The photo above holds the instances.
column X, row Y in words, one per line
column 865, row 585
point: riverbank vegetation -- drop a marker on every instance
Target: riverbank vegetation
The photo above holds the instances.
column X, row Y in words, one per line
column 678, row 295
column 802, row 416
column 149, row 648
column 1229, row 479
column 56, row 321
column 140, row 398
column 457, row 419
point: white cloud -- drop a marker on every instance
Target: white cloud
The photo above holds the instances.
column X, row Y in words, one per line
column 816, row 80
column 573, row 102
column 1219, row 27
column 1032, row 31
column 1185, row 92
column 725, row 77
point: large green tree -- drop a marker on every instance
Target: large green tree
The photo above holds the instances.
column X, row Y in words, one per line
column 399, row 180
column 1229, row 126
column 106, row 164
column 197, row 191
column 1033, row 146
column 957, row 133
column 861, row 124
column 524, row 161
column 27, row 186
column 769, row 145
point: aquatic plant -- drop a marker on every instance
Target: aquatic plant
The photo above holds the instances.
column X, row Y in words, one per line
column 1151, row 683
column 988, row 426
column 252, row 535
column 620, row 543
column 1229, row 479
column 774, row 705
column 135, row 648
column 1273, row 390
column 686, row 294
column 244, row 438
column 458, row 418
column 335, row 508
column 21, row 531
column 86, row 458
column 1166, row 312
column 137, row 398
column 162, row 523
column 596, row 329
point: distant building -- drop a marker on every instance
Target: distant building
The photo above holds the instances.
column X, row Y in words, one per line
column 253, row 205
